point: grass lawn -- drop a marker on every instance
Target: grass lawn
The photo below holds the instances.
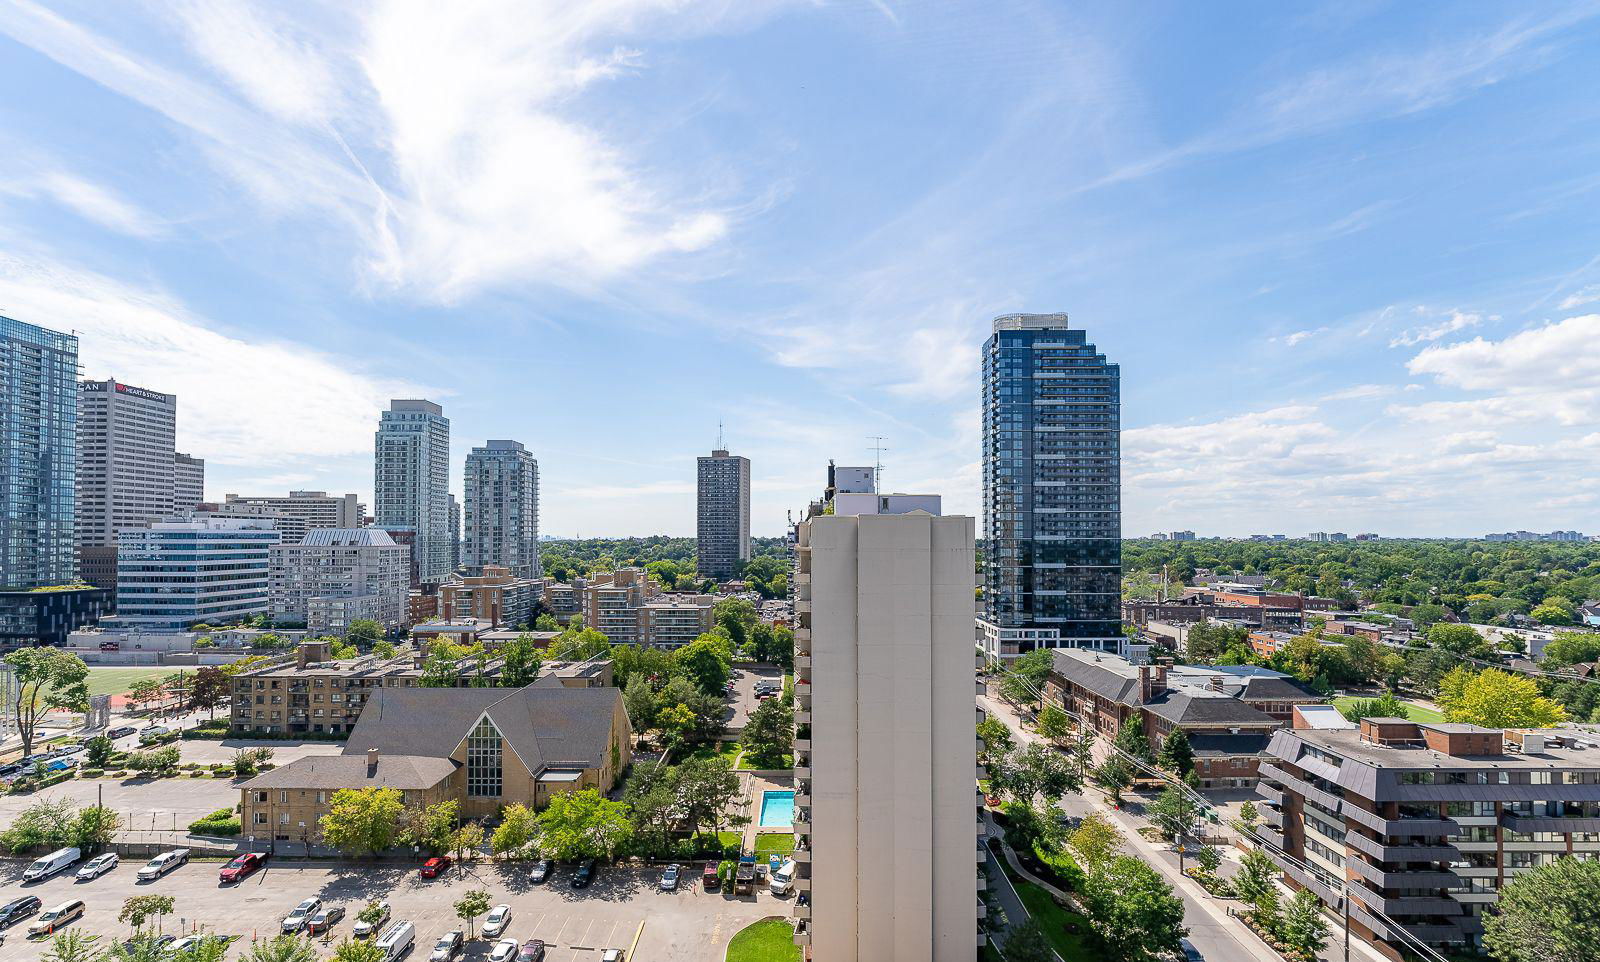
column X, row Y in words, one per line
column 728, row 751
column 781, row 843
column 1053, row 921
column 730, row 838
column 118, row 681
column 1418, row 713
column 769, row 940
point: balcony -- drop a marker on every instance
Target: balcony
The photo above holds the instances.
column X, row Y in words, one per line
column 802, row 910
column 1271, row 794
column 1384, row 878
column 1545, row 823
column 802, row 769
column 1272, row 836
column 1271, row 816
column 1302, row 788
column 802, row 933
column 802, row 661
column 801, row 855
column 1407, row 906
column 802, row 717
column 802, row 744
column 1401, row 853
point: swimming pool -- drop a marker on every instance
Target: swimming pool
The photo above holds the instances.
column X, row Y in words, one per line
column 777, row 810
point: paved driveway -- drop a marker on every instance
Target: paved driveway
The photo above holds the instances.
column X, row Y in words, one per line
column 742, row 701
column 620, row 907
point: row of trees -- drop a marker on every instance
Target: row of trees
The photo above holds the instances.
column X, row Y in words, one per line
column 54, row 823
column 565, row 560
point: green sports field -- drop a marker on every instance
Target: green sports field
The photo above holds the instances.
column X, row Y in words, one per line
column 118, row 681
column 1417, row 712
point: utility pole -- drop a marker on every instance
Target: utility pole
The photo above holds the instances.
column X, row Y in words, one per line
column 877, row 468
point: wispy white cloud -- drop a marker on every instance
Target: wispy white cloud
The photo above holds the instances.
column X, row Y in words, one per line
column 1580, row 298
column 1454, row 321
column 1299, row 337
column 93, row 202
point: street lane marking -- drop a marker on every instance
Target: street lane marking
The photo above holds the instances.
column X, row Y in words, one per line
column 636, row 935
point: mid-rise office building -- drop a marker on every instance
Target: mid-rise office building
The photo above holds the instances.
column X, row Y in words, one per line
column 411, row 482
column 886, row 835
column 722, row 526
column 309, row 509
column 1052, row 511
column 38, row 456
column 501, row 521
column 174, row 574
column 188, row 482
column 47, row 616
column 336, row 575
column 126, row 468
column 290, row 530
column 1424, row 824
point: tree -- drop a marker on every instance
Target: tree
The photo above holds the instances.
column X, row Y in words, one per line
column 665, row 572
column 1253, row 885
column 1173, row 813
column 363, row 820
column 211, row 687
column 93, row 829
column 1053, row 723
column 371, row 913
column 364, row 631
column 1206, row 641
column 1572, row 649
column 283, row 948
column 154, row 760
column 1130, row 739
column 1134, row 912
column 737, row 617
column 364, row 950
column 1458, row 640
column 471, row 905
column 383, row 650
column 146, row 691
column 1248, row 814
column 1024, row 682
column 1304, row 927
column 140, row 908
column 1548, row 914
column 1555, row 611
column 466, row 840
column 583, row 824
column 1176, row 754
column 44, row 824
column 521, row 662
column 706, row 662
column 442, row 667
column 1497, row 699
column 46, row 679
column 996, row 738
column 1096, row 840
column 1113, row 775
column 516, row 830
column 1209, row 858
column 769, row 734
column 640, row 700
column 1026, row 943
column 97, row 751
column 73, row 945
column 705, row 788
column 1384, row 706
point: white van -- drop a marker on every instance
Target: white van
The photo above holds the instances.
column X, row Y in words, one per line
column 782, row 878
column 396, row 940
column 51, row 864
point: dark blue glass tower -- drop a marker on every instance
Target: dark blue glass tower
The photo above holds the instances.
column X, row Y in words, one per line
column 38, row 456
column 1052, row 487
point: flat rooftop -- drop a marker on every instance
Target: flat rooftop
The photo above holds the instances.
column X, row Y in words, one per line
column 1350, row 745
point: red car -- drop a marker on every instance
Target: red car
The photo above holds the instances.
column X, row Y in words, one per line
column 433, row 866
column 241, row 866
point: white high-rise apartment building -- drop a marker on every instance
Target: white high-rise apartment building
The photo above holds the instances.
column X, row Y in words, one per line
column 361, row 566
column 885, row 757
column 314, row 509
column 176, row 573
column 411, row 481
column 501, row 522
column 126, row 468
column 188, row 482
column 722, row 524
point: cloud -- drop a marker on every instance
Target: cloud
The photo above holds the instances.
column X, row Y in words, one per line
column 1558, row 354
column 457, row 151
column 88, row 200
column 1360, row 392
column 287, row 406
column 1456, row 321
column 1290, row 340
column 1587, row 295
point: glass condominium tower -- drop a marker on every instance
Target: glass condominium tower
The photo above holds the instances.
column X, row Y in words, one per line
column 38, row 456
column 1052, row 489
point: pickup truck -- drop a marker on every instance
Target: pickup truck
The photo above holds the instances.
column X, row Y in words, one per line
column 744, row 877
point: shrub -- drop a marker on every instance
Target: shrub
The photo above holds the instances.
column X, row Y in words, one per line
column 219, row 822
column 93, row 772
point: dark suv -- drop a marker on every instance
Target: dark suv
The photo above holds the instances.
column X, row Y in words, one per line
column 18, row 909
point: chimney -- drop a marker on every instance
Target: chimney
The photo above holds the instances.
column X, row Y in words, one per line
column 372, row 761
column 1144, row 683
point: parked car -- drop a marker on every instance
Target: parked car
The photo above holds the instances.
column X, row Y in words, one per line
column 542, row 870
column 531, row 951
column 504, row 951
column 709, row 877
column 60, row 764
column 121, row 731
column 1190, row 953
column 433, row 866
column 162, row 864
column 325, row 919
column 611, row 955
column 153, row 732
column 669, row 879
column 241, row 866
column 158, row 943
column 583, row 874
column 16, row 910
column 300, row 915
column 396, row 939
column 183, row 945
column 56, row 918
column 496, row 921
column 448, row 947
column 364, row 929
column 98, row 866
column 43, row 868
column 72, row 749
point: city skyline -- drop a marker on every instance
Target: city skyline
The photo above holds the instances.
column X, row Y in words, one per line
column 1350, row 288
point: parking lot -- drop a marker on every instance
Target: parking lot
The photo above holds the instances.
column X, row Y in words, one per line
column 742, row 700
column 620, row 907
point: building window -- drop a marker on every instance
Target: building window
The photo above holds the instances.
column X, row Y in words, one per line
column 483, row 761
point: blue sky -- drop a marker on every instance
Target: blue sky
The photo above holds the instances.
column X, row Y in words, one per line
column 1347, row 255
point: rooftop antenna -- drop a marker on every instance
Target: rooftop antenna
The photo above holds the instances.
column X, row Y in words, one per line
column 877, row 468
column 720, row 446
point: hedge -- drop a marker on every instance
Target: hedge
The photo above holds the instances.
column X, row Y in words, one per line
column 219, row 822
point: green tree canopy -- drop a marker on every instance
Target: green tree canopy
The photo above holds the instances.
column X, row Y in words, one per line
column 1134, row 912
column 583, row 824
column 1548, row 914
column 363, row 820
column 46, row 679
